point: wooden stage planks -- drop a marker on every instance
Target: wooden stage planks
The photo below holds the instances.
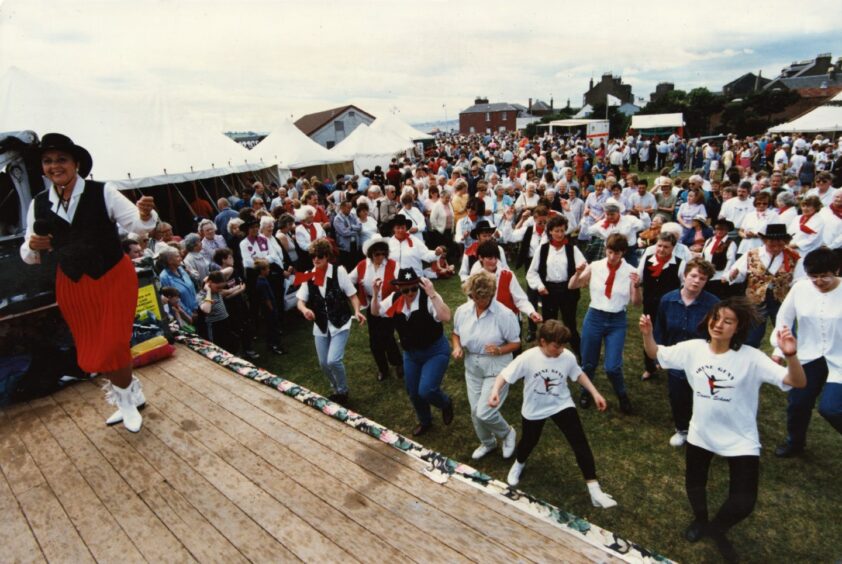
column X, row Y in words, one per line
column 226, row 469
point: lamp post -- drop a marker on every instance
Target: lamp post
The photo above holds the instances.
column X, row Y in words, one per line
column 444, row 107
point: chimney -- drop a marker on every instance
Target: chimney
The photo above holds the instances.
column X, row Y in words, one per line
column 551, row 104
column 757, row 80
column 529, row 108
column 591, row 87
column 480, row 100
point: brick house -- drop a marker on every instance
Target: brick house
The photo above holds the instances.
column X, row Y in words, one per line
column 483, row 117
column 597, row 93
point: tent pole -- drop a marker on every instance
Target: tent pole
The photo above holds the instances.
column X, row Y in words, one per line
column 193, row 213
column 210, row 199
column 222, row 178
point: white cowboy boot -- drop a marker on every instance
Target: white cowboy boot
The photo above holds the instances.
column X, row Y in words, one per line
column 126, row 400
column 138, row 398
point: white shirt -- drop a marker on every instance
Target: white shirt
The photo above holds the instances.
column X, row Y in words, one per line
column 260, row 248
column 772, row 265
column 526, row 201
column 497, row 325
column 120, row 210
column 755, row 222
column 556, row 266
column 826, row 198
column 510, row 235
column 408, row 308
column 730, row 255
column 519, row 297
column 347, row 287
column 620, row 291
column 545, row 390
column 416, row 216
column 465, row 273
column 628, row 226
column 372, row 273
column 807, row 242
column 726, row 388
column 645, row 201
column 302, row 235
column 410, row 256
column 832, row 232
column 735, row 209
column 369, row 230
column 819, row 317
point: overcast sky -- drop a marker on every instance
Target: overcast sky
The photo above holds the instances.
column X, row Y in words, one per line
column 244, row 65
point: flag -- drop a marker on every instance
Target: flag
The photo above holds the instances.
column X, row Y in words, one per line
column 612, row 101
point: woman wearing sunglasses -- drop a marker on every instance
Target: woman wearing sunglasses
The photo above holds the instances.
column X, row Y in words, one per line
column 418, row 313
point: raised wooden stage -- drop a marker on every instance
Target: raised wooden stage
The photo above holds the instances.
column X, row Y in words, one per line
column 226, row 469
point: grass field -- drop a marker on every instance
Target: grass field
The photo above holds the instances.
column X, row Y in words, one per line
column 797, row 515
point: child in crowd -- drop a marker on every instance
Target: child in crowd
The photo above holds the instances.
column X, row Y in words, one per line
column 174, row 310
column 545, row 370
column 217, row 325
column 268, row 306
column 235, row 303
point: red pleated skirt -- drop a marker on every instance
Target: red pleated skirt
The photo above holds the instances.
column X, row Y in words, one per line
column 100, row 314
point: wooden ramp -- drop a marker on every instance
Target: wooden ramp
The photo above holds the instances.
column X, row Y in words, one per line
column 226, row 469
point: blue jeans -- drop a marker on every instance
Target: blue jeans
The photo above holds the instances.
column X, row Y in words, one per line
column 423, row 371
column 331, row 351
column 611, row 327
column 767, row 310
column 801, row 402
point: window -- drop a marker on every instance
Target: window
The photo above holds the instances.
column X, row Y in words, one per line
column 487, row 116
column 504, row 116
column 472, row 129
column 330, row 144
column 352, row 114
column 339, row 126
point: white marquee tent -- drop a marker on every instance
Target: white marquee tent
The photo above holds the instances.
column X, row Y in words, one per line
column 369, row 147
column 137, row 141
column 657, row 121
column 389, row 122
column 289, row 146
column 826, row 118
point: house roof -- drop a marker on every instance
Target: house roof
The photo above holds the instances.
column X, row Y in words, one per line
column 540, row 105
column 750, row 75
column 497, row 107
column 311, row 123
column 801, row 82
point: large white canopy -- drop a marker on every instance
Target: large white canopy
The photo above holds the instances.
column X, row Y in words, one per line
column 368, row 147
column 288, row 145
column 657, row 121
column 823, row 118
column 569, row 122
column 391, row 123
column 136, row 141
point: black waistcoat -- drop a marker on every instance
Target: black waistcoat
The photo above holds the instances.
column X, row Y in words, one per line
column 421, row 329
column 333, row 306
column 655, row 288
column 90, row 245
column 525, row 243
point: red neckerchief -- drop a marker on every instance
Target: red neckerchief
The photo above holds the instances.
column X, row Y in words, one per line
column 658, row 267
column 716, row 242
column 782, row 209
column 558, row 245
column 397, row 306
column 472, row 250
column 612, row 273
column 317, row 275
column 804, row 227
column 539, row 229
column 608, row 222
column 311, row 229
column 472, row 215
column 405, row 237
column 836, row 211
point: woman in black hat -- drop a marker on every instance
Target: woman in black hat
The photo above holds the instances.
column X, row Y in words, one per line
column 96, row 285
column 768, row 272
column 483, row 232
column 721, row 252
column 418, row 318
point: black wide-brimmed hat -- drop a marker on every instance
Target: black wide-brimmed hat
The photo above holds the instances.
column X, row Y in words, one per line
column 775, row 232
column 482, row 227
column 728, row 225
column 400, row 219
column 59, row 142
column 406, row 277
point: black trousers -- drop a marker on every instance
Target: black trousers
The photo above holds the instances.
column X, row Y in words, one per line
column 239, row 321
column 568, row 421
column 381, row 341
column 532, row 296
column 219, row 333
column 562, row 299
column 744, row 474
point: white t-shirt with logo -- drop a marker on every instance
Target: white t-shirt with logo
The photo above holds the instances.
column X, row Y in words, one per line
column 726, row 388
column 545, row 390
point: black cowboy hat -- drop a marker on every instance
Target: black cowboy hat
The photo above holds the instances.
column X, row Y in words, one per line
column 482, row 227
column 401, row 219
column 406, row 277
column 247, row 223
column 776, row 232
column 728, row 225
column 63, row 143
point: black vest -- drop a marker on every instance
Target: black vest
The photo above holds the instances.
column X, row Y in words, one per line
column 525, row 243
column 91, row 244
column 333, row 306
column 421, row 329
column 544, row 252
column 719, row 259
column 655, row 288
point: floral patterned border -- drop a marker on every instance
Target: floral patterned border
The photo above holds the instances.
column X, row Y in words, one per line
column 441, row 467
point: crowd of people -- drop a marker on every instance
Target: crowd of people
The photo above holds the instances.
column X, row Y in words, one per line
column 753, row 237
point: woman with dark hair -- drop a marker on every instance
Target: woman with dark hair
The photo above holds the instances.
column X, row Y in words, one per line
column 815, row 305
column 725, row 377
column 323, row 298
column 418, row 317
column 753, row 224
column 381, row 330
column 613, row 284
column 721, row 252
column 96, row 284
column 808, row 229
column 660, row 274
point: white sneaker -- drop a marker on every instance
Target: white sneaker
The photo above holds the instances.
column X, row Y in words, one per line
column 678, row 439
column 482, row 450
column 514, row 474
column 601, row 499
column 509, row 442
